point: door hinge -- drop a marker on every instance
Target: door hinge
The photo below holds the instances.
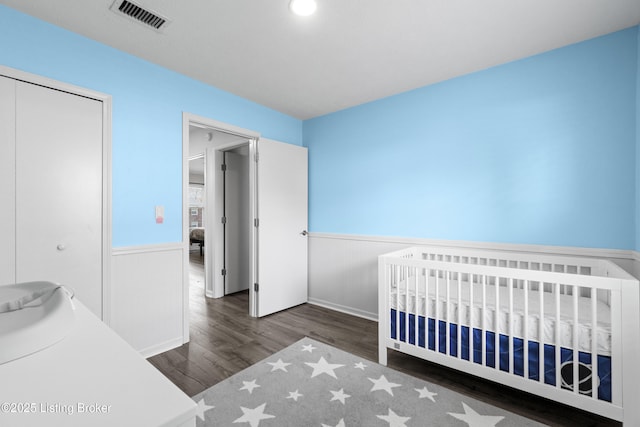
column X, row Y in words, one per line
column 256, row 222
column 224, row 272
column 224, row 220
column 256, row 287
column 256, row 157
column 223, row 167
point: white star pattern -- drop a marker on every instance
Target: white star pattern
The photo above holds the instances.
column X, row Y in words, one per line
column 281, row 398
column 340, row 424
column 279, row 365
column 323, row 367
column 382, row 384
column 294, row 395
column 253, row 416
column 394, row 419
column 424, row 393
column 202, row 408
column 473, row 419
column 249, row 386
column 339, row 395
column 308, row 348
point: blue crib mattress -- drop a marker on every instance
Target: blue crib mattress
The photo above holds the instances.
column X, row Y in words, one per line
column 471, row 349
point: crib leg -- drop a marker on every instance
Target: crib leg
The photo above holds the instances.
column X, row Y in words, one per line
column 382, row 355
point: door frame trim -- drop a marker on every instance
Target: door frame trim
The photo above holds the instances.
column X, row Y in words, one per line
column 106, row 167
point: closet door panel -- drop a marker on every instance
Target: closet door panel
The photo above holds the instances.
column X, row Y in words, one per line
column 59, row 191
column 7, row 181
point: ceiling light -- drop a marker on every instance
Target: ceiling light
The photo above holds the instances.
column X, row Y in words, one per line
column 303, row 7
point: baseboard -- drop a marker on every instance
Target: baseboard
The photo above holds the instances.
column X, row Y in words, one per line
column 344, row 309
column 161, row 348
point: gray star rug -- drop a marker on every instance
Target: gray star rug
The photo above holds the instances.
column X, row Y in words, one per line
column 313, row 384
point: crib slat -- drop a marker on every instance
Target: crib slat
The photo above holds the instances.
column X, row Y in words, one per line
column 512, row 356
column 483, row 340
column 594, row 343
column 558, row 287
column 576, row 354
column 427, row 311
column 447, row 308
column 437, row 311
column 396, row 275
column 416, row 308
column 496, row 322
column 525, row 332
column 459, row 340
column 407, row 304
column 617, row 307
column 472, row 323
column 424, row 290
column 541, row 333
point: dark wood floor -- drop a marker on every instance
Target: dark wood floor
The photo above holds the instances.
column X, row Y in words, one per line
column 225, row 340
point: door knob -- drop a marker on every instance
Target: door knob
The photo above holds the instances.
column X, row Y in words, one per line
column 304, row 232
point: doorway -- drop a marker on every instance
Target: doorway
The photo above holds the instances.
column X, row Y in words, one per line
column 232, row 164
column 271, row 225
column 222, row 255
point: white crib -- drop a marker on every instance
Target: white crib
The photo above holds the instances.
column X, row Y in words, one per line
column 520, row 319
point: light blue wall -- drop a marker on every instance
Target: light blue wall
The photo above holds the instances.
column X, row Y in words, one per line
column 148, row 102
column 538, row 151
column 542, row 150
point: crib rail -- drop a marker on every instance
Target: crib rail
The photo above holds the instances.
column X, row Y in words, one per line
column 519, row 260
column 518, row 304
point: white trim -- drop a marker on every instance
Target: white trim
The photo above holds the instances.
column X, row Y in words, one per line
column 51, row 83
column 344, row 309
column 107, row 211
column 128, row 250
column 519, row 247
column 195, row 120
column 186, row 243
column 107, row 117
column 161, row 348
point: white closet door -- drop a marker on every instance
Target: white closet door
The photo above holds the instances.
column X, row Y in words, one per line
column 282, row 230
column 59, row 191
column 7, row 181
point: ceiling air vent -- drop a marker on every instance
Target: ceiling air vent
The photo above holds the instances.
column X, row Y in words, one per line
column 139, row 14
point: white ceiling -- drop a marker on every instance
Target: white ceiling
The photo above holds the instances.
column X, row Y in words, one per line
column 348, row 53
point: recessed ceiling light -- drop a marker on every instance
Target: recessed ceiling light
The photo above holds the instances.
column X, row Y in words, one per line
column 303, row 7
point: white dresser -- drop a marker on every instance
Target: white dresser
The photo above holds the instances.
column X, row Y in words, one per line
column 90, row 378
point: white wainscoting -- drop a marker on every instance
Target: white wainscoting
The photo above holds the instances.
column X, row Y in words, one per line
column 343, row 269
column 147, row 281
column 147, row 296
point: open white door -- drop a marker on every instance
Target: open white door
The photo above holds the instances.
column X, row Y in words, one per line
column 213, row 226
column 282, row 227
